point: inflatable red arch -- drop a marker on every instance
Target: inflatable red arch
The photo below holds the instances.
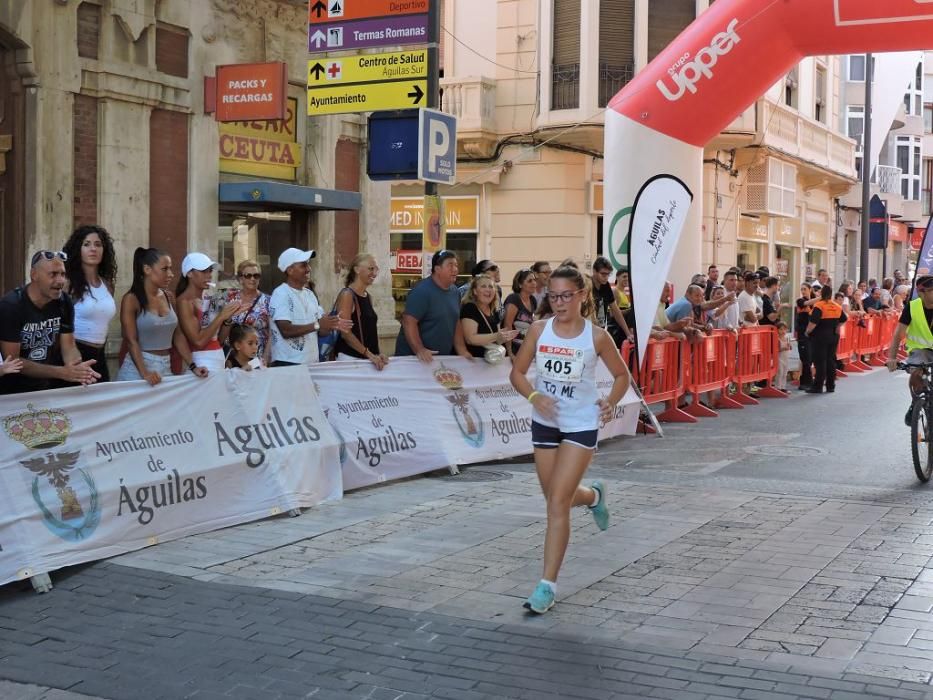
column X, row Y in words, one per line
column 657, row 125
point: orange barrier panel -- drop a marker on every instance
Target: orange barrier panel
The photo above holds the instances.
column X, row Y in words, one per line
column 661, row 377
column 756, row 361
column 848, row 333
column 710, row 368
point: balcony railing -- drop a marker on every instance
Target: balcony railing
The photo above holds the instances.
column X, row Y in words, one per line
column 472, row 100
column 613, row 78
column 565, row 86
column 888, row 179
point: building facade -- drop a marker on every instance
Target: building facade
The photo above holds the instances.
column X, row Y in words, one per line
column 530, row 93
column 104, row 121
column 898, row 176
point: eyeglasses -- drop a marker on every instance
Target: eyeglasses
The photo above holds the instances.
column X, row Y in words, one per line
column 251, row 275
column 48, row 255
column 564, row 297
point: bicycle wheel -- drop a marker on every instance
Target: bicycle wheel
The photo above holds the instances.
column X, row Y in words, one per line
column 921, row 447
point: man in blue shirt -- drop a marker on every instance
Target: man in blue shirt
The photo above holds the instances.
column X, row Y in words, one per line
column 431, row 320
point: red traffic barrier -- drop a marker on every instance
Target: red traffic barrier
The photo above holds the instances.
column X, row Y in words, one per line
column 756, row 361
column 710, row 368
column 661, row 377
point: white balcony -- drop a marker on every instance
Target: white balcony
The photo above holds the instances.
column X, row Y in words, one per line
column 888, row 179
column 473, row 101
column 784, row 129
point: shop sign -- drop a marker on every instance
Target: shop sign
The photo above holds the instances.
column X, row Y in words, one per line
column 460, row 213
column 405, row 260
column 249, row 91
column 262, row 148
column 782, row 267
column 897, row 232
column 322, row 11
column 818, row 230
column 753, row 229
column 789, row 232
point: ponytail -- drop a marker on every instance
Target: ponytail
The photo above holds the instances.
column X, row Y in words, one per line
column 141, row 258
column 181, row 286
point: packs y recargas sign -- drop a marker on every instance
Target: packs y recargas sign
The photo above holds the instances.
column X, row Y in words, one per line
column 251, row 91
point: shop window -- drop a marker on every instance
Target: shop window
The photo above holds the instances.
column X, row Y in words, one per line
column 260, row 237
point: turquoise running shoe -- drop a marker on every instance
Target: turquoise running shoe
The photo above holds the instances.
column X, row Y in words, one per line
column 541, row 600
column 600, row 511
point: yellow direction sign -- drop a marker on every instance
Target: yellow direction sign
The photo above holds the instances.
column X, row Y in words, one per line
column 366, row 97
column 368, row 68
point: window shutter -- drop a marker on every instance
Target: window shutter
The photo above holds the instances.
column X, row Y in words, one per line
column 616, row 47
column 665, row 21
column 566, row 32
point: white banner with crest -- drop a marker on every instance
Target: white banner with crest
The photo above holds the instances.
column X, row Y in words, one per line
column 412, row 418
column 88, row 473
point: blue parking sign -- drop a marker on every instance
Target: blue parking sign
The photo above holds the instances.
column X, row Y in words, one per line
column 437, row 147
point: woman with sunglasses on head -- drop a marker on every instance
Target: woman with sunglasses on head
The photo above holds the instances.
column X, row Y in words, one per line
column 361, row 342
column 149, row 321
column 479, row 316
column 92, row 271
column 567, row 410
column 198, row 320
column 520, row 305
column 254, row 308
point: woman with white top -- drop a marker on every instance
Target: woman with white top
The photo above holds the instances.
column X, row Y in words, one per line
column 194, row 319
column 566, row 413
column 150, row 324
column 91, row 268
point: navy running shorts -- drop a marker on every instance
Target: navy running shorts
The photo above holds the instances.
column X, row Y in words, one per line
column 548, row 438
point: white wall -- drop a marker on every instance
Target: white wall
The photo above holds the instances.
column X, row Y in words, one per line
column 474, row 23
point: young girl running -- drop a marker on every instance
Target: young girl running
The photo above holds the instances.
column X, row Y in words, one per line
column 244, row 346
column 566, row 414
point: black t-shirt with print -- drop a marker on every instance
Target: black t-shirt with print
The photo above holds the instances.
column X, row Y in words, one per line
column 37, row 332
column 603, row 298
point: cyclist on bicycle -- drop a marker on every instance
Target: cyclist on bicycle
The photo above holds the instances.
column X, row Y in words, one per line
column 916, row 324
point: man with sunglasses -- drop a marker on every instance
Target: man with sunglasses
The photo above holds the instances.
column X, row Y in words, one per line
column 37, row 325
column 915, row 324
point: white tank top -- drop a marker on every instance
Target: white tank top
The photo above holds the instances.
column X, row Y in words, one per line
column 93, row 313
column 565, row 369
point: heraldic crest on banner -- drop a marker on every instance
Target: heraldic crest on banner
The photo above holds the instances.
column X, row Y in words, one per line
column 77, row 513
column 468, row 418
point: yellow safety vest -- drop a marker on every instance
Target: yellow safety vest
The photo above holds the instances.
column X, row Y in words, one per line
column 919, row 335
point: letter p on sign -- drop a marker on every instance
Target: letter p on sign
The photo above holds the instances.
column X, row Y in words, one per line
column 437, row 147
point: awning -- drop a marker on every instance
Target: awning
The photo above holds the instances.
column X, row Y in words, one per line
column 264, row 195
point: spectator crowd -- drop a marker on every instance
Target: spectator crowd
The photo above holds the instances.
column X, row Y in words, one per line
column 53, row 330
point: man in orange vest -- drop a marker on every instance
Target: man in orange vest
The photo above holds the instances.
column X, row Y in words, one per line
column 823, row 332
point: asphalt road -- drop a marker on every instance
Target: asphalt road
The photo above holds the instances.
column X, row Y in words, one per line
column 778, row 552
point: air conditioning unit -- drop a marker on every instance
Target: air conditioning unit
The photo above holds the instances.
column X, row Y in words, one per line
column 771, row 188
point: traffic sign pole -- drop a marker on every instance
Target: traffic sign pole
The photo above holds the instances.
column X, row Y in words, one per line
column 433, row 97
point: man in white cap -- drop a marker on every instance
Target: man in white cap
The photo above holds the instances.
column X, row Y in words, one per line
column 296, row 314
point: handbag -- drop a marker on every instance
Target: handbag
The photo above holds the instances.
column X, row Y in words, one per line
column 494, row 353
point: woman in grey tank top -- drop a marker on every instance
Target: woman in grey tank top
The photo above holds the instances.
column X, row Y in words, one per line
column 565, row 421
column 150, row 326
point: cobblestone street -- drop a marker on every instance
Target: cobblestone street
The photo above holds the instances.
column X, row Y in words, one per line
column 771, row 553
